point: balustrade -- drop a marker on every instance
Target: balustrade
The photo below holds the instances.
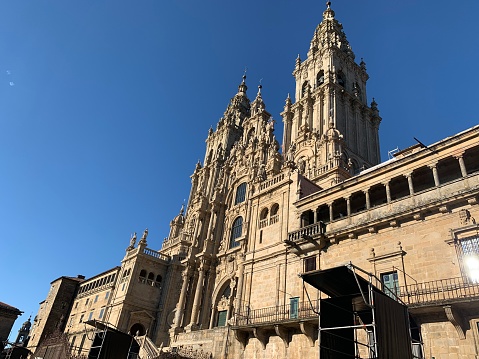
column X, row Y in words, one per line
column 311, row 230
column 271, row 182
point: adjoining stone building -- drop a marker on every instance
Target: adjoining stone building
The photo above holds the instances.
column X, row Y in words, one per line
column 226, row 278
column 8, row 315
column 54, row 310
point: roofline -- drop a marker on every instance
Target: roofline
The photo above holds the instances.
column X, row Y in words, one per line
column 116, row 268
column 394, row 161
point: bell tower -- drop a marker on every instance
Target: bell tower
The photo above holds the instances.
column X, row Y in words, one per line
column 330, row 131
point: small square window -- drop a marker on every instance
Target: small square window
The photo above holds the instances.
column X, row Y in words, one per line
column 390, row 282
column 310, row 264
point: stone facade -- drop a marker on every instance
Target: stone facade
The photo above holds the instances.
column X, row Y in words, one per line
column 226, row 278
column 54, row 310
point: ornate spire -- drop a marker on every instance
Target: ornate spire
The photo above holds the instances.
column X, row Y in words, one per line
column 329, row 33
column 298, row 61
column 242, row 88
column 238, row 108
column 288, row 103
column 328, row 14
column 258, row 106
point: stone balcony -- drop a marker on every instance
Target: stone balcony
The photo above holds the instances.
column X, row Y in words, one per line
column 415, row 206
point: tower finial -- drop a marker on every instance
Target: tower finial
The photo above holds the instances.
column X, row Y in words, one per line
column 242, row 88
column 328, row 4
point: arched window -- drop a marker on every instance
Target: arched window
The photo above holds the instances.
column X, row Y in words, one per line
column 264, row 214
column 263, row 218
column 274, row 209
column 236, row 232
column 151, row 278
column 320, row 78
column 274, row 216
column 240, row 193
column 158, row 281
column 142, row 278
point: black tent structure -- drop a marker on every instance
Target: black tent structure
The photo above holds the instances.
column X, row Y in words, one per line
column 359, row 320
column 111, row 343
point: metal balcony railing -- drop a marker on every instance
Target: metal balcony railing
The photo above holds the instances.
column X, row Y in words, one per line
column 439, row 291
column 280, row 313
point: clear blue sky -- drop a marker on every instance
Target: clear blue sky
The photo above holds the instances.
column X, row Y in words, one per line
column 105, row 106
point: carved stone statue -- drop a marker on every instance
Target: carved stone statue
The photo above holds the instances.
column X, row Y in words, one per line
column 132, row 242
column 143, row 237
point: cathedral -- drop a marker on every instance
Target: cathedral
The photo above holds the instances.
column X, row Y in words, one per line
column 231, row 278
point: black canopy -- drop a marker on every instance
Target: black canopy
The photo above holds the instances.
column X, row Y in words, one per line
column 337, row 281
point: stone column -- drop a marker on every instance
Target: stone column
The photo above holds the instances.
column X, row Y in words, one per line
column 181, row 302
column 213, row 315
column 348, row 205
column 460, row 158
column 388, row 192
column 368, row 201
column 197, row 299
column 230, row 299
column 433, row 167
column 409, row 182
column 330, row 205
column 210, row 225
column 239, row 289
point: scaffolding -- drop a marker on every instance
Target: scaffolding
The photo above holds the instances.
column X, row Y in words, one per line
column 14, row 351
column 359, row 320
column 111, row 343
